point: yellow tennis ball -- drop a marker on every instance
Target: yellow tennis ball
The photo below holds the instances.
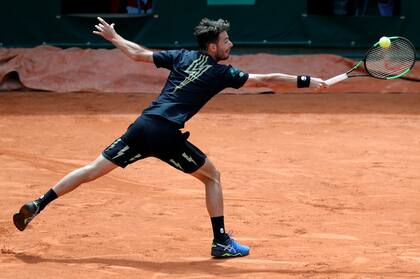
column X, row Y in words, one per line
column 384, row 42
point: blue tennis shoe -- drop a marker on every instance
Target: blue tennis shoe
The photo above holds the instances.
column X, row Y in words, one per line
column 229, row 248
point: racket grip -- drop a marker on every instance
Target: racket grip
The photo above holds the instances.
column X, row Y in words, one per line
column 336, row 79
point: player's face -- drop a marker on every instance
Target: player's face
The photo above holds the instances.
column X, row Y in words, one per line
column 223, row 46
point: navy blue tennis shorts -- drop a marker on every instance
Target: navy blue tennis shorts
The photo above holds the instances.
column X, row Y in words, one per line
column 154, row 136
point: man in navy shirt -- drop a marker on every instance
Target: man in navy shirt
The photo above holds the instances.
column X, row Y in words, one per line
column 194, row 78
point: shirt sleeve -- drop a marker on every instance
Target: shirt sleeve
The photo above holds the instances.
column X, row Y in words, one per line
column 165, row 59
column 233, row 77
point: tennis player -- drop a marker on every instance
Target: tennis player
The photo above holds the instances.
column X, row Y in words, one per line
column 194, row 78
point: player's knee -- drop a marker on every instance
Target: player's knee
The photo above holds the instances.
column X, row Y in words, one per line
column 216, row 175
column 213, row 176
column 208, row 174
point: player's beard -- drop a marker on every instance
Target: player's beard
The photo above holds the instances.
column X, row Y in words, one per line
column 223, row 55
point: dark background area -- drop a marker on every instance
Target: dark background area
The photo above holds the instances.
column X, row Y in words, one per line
column 287, row 27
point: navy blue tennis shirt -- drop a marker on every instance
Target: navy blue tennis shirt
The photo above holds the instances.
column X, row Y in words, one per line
column 194, row 79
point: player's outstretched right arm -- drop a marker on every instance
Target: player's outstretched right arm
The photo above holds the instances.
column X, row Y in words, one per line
column 277, row 79
column 132, row 50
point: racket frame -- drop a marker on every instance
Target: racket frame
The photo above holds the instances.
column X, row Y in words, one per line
column 345, row 76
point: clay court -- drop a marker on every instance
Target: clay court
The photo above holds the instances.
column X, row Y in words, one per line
column 319, row 185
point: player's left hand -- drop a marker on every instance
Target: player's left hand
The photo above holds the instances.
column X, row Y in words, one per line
column 105, row 30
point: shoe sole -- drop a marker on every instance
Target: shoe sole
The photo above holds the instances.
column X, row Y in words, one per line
column 228, row 255
column 221, row 255
column 19, row 218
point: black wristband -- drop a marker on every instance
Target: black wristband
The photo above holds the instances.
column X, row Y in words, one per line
column 303, row 81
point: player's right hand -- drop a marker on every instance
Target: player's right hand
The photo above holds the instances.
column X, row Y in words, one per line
column 105, row 30
column 318, row 83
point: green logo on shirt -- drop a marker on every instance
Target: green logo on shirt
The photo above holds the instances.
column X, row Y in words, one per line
column 234, row 72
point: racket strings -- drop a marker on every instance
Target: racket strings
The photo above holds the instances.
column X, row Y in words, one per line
column 392, row 61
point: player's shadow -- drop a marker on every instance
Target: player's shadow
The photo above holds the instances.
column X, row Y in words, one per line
column 209, row 267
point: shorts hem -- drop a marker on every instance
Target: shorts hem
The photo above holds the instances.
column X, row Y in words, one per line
column 112, row 161
column 197, row 168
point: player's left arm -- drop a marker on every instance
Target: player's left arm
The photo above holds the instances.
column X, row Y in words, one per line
column 276, row 79
column 131, row 49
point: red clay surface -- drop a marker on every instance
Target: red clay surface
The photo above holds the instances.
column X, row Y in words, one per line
column 319, row 185
column 54, row 69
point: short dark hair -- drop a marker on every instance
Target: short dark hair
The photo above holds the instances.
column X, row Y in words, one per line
column 208, row 31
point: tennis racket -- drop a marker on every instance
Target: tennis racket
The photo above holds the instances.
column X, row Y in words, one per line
column 388, row 63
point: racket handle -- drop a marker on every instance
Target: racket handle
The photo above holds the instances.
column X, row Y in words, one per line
column 336, row 79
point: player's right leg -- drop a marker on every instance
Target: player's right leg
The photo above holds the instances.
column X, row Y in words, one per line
column 97, row 168
column 223, row 245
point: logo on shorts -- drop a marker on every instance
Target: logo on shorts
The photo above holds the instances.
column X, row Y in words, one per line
column 114, row 144
column 176, row 164
column 189, row 158
column 138, row 156
column 121, row 152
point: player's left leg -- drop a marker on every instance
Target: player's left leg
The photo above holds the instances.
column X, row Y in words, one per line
column 97, row 168
column 119, row 153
